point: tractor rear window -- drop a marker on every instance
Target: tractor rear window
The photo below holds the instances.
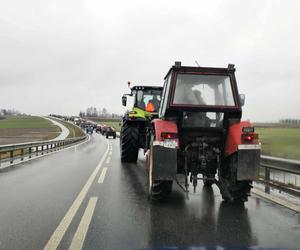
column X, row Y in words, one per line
column 203, row 119
column 145, row 97
column 213, row 90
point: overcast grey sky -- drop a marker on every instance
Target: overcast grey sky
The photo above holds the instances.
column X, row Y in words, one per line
column 62, row 56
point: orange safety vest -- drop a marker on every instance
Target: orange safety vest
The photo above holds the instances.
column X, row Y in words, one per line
column 150, row 107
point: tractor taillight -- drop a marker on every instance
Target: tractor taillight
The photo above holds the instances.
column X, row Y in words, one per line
column 166, row 135
column 248, row 138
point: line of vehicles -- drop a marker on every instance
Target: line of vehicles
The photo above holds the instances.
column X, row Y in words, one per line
column 90, row 126
column 105, row 130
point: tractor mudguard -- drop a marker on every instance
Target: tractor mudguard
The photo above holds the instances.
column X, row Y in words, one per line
column 248, row 162
column 164, row 150
column 248, row 154
column 164, row 162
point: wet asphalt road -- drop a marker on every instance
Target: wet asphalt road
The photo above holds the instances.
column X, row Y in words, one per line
column 61, row 199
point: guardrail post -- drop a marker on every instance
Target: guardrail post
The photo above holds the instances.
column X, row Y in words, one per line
column 22, row 154
column 42, row 149
column 36, row 150
column 11, row 155
column 29, row 153
column 267, row 179
column 47, row 148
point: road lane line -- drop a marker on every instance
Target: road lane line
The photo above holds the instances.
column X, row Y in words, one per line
column 108, row 160
column 83, row 227
column 102, row 176
column 66, row 221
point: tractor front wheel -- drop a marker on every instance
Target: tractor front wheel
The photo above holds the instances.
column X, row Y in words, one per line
column 129, row 140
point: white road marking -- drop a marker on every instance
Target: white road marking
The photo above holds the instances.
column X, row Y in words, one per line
column 110, row 153
column 66, row 221
column 83, row 227
column 107, row 160
column 102, row 176
column 277, row 200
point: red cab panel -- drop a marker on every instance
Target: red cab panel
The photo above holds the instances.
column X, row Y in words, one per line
column 165, row 127
column 236, row 137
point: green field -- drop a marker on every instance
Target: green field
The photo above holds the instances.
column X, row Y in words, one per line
column 25, row 122
column 280, row 142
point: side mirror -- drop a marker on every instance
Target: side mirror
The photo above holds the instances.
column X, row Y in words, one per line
column 242, row 99
column 124, row 100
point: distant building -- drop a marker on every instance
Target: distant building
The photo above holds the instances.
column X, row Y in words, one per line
column 290, row 122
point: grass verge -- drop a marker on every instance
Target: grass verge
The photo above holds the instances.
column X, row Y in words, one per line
column 74, row 130
column 280, row 142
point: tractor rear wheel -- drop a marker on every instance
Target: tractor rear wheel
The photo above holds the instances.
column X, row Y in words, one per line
column 208, row 183
column 129, row 140
column 157, row 189
column 231, row 189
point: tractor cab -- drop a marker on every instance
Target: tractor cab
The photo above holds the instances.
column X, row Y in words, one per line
column 202, row 101
column 146, row 101
column 197, row 92
column 143, row 96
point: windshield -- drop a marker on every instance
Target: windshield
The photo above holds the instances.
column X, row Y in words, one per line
column 148, row 100
column 194, row 89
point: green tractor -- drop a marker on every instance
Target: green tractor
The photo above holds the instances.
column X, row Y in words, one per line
column 137, row 120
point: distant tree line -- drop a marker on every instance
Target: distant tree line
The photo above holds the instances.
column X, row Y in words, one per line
column 100, row 113
column 8, row 112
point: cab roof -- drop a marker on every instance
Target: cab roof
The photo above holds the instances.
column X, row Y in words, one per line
column 146, row 88
column 178, row 68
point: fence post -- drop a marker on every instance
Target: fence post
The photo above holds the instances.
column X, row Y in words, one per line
column 11, row 154
column 22, row 154
column 267, row 179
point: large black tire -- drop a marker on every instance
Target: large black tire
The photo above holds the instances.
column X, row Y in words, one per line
column 208, row 183
column 157, row 189
column 210, row 173
column 231, row 189
column 129, row 141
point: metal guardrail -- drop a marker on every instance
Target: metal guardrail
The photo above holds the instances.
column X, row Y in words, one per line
column 34, row 148
column 279, row 165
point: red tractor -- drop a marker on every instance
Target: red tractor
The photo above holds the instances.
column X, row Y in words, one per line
column 199, row 134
